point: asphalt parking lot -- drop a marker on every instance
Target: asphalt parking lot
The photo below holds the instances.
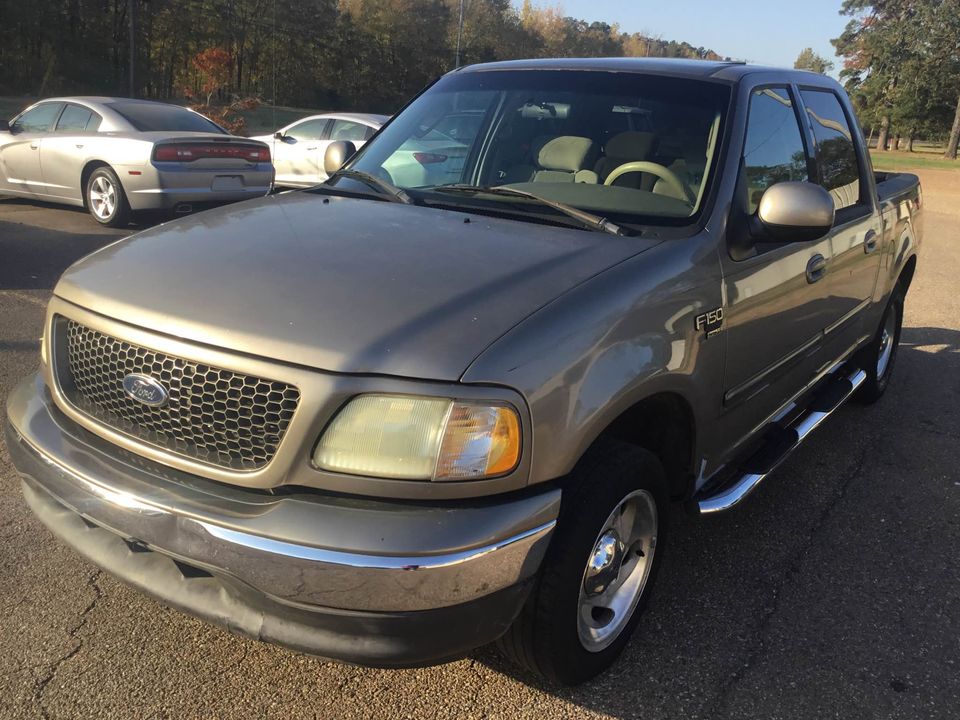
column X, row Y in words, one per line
column 834, row 593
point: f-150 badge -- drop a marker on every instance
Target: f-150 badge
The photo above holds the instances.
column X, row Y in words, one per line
column 710, row 322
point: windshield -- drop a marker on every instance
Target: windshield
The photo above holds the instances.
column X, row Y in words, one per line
column 147, row 116
column 627, row 146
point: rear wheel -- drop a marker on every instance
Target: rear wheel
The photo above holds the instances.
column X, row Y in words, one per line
column 106, row 200
column 878, row 358
column 599, row 570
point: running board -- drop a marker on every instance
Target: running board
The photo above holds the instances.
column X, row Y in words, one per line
column 782, row 442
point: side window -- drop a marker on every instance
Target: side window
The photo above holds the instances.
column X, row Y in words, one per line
column 347, row 130
column 773, row 151
column 308, row 130
column 836, row 155
column 76, row 119
column 37, row 120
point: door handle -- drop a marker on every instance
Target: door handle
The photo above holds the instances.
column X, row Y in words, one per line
column 314, row 147
column 870, row 242
column 34, row 145
column 816, row 268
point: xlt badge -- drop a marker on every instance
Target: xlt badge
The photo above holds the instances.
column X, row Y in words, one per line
column 710, row 322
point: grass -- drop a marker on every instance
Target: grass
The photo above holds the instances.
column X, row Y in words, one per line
column 267, row 118
column 907, row 161
column 10, row 106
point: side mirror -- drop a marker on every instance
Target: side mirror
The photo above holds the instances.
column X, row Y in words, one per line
column 793, row 211
column 278, row 135
column 337, row 154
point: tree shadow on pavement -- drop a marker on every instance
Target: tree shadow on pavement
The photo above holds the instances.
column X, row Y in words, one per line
column 33, row 257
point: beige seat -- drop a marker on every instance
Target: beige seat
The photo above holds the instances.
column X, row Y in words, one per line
column 623, row 148
column 566, row 159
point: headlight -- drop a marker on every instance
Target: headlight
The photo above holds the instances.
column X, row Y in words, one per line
column 420, row 438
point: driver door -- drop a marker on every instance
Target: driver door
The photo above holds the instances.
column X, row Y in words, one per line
column 20, row 149
column 777, row 301
column 297, row 160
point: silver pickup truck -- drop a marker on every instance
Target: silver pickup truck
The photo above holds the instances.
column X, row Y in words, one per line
column 448, row 396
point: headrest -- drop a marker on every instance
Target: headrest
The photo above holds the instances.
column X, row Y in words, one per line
column 567, row 153
column 631, row 145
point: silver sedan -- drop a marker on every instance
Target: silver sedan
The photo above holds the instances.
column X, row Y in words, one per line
column 115, row 156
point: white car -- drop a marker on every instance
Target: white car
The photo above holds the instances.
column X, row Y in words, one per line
column 298, row 148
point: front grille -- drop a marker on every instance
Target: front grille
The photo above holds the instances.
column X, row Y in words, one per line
column 213, row 415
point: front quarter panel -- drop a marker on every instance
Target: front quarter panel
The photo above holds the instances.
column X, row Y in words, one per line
column 607, row 344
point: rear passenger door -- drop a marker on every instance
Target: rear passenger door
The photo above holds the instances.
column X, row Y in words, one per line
column 855, row 240
column 63, row 151
column 775, row 308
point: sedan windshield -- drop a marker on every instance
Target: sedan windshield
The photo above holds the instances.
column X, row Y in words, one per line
column 631, row 147
column 148, row 116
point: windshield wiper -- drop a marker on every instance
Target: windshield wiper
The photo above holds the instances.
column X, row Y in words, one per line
column 389, row 189
column 589, row 220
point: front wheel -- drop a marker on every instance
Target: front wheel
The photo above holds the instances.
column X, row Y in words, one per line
column 599, row 570
column 106, row 200
column 877, row 359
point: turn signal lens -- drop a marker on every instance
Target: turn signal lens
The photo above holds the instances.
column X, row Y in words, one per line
column 420, row 438
column 479, row 442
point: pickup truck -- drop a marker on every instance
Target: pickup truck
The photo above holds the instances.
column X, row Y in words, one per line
column 389, row 423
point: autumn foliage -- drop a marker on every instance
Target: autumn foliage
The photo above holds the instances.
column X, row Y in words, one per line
column 214, row 71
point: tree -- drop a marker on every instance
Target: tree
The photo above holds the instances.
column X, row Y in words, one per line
column 809, row 60
column 215, row 68
column 902, row 66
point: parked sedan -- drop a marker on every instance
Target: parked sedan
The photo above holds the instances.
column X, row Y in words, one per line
column 115, row 156
column 299, row 147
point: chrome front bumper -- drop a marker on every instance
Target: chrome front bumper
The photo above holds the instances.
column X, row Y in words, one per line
column 308, row 550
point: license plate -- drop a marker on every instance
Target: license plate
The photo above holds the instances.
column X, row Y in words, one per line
column 225, row 183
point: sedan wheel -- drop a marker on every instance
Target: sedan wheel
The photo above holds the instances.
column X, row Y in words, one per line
column 106, row 200
column 103, row 198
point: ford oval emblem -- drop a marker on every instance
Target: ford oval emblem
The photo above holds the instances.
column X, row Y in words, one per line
column 145, row 389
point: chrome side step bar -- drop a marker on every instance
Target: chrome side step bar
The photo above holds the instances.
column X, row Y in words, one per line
column 786, row 441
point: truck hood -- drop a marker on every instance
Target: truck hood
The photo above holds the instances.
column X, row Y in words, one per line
column 341, row 284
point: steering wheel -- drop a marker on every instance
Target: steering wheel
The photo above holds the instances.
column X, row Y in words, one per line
column 664, row 173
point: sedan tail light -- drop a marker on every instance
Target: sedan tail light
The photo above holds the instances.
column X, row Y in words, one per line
column 188, row 152
column 425, row 158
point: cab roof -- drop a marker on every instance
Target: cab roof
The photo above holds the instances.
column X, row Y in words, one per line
column 731, row 70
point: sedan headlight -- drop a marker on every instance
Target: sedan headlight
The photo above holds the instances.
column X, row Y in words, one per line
column 420, row 438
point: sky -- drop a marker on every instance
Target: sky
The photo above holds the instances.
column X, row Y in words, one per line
column 769, row 33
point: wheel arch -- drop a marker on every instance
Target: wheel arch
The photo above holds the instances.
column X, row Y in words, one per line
column 906, row 273
column 663, row 423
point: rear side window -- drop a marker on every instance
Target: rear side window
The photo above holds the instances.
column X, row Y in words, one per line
column 347, row 130
column 78, row 119
column 37, row 120
column 147, row 117
column 836, row 155
column 773, row 151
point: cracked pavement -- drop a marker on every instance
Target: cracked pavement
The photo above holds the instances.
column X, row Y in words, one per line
column 835, row 592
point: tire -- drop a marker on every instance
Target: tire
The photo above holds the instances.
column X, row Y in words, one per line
column 878, row 358
column 557, row 635
column 105, row 198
